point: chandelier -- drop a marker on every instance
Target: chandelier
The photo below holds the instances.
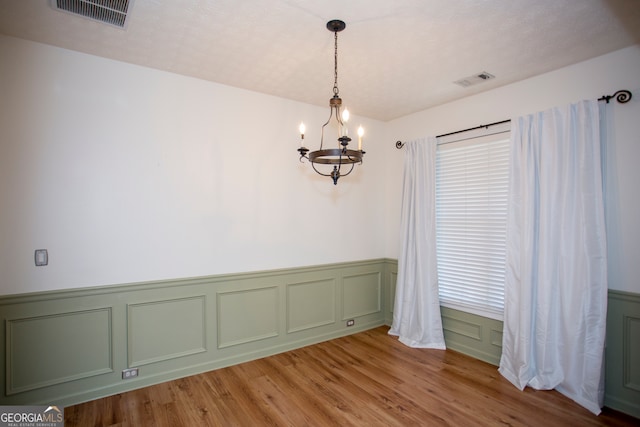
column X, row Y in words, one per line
column 341, row 157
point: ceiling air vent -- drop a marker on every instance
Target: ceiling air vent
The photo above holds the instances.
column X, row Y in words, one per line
column 112, row 12
column 475, row 79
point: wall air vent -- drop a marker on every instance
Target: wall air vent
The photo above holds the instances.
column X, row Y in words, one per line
column 475, row 79
column 112, row 12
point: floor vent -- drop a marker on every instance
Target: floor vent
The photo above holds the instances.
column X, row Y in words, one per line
column 112, row 12
column 475, row 79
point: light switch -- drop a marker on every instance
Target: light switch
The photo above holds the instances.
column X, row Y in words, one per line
column 42, row 257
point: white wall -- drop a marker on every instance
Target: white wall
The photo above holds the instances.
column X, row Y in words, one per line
column 128, row 174
column 587, row 80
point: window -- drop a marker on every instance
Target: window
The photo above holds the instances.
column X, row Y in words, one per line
column 471, row 221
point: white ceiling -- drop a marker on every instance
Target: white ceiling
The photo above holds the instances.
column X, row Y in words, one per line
column 394, row 58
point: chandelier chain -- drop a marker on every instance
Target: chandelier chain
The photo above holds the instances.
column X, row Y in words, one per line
column 335, row 65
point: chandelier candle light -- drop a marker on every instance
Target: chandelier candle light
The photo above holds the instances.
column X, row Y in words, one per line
column 341, row 155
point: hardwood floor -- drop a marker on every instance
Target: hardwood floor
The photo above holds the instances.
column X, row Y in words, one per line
column 366, row 379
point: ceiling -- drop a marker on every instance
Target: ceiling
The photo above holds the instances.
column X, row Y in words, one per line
column 394, row 57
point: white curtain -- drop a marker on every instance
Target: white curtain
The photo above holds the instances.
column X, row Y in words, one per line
column 556, row 284
column 416, row 313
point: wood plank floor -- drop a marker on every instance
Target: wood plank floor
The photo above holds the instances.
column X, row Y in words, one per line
column 366, row 379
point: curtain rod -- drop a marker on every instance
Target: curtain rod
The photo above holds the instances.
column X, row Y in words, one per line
column 622, row 96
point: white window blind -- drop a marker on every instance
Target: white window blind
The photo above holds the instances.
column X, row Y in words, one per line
column 472, row 180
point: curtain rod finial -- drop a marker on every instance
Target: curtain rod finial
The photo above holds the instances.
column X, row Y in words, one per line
column 622, row 96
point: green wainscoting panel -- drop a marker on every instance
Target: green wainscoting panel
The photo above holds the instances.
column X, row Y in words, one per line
column 247, row 315
column 391, row 272
column 631, row 337
column 311, row 305
column 52, row 349
column 392, row 279
column 69, row 346
column 473, row 335
column 452, row 324
column 362, row 294
column 622, row 355
column 163, row 330
column 495, row 336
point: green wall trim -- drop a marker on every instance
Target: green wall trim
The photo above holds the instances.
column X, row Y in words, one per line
column 473, row 335
column 622, row 353
column 156, row 284
column 624, row 296
column 69, row 346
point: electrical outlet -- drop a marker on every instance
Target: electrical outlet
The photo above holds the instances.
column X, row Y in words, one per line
column 127, row 374
column 351, row 322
